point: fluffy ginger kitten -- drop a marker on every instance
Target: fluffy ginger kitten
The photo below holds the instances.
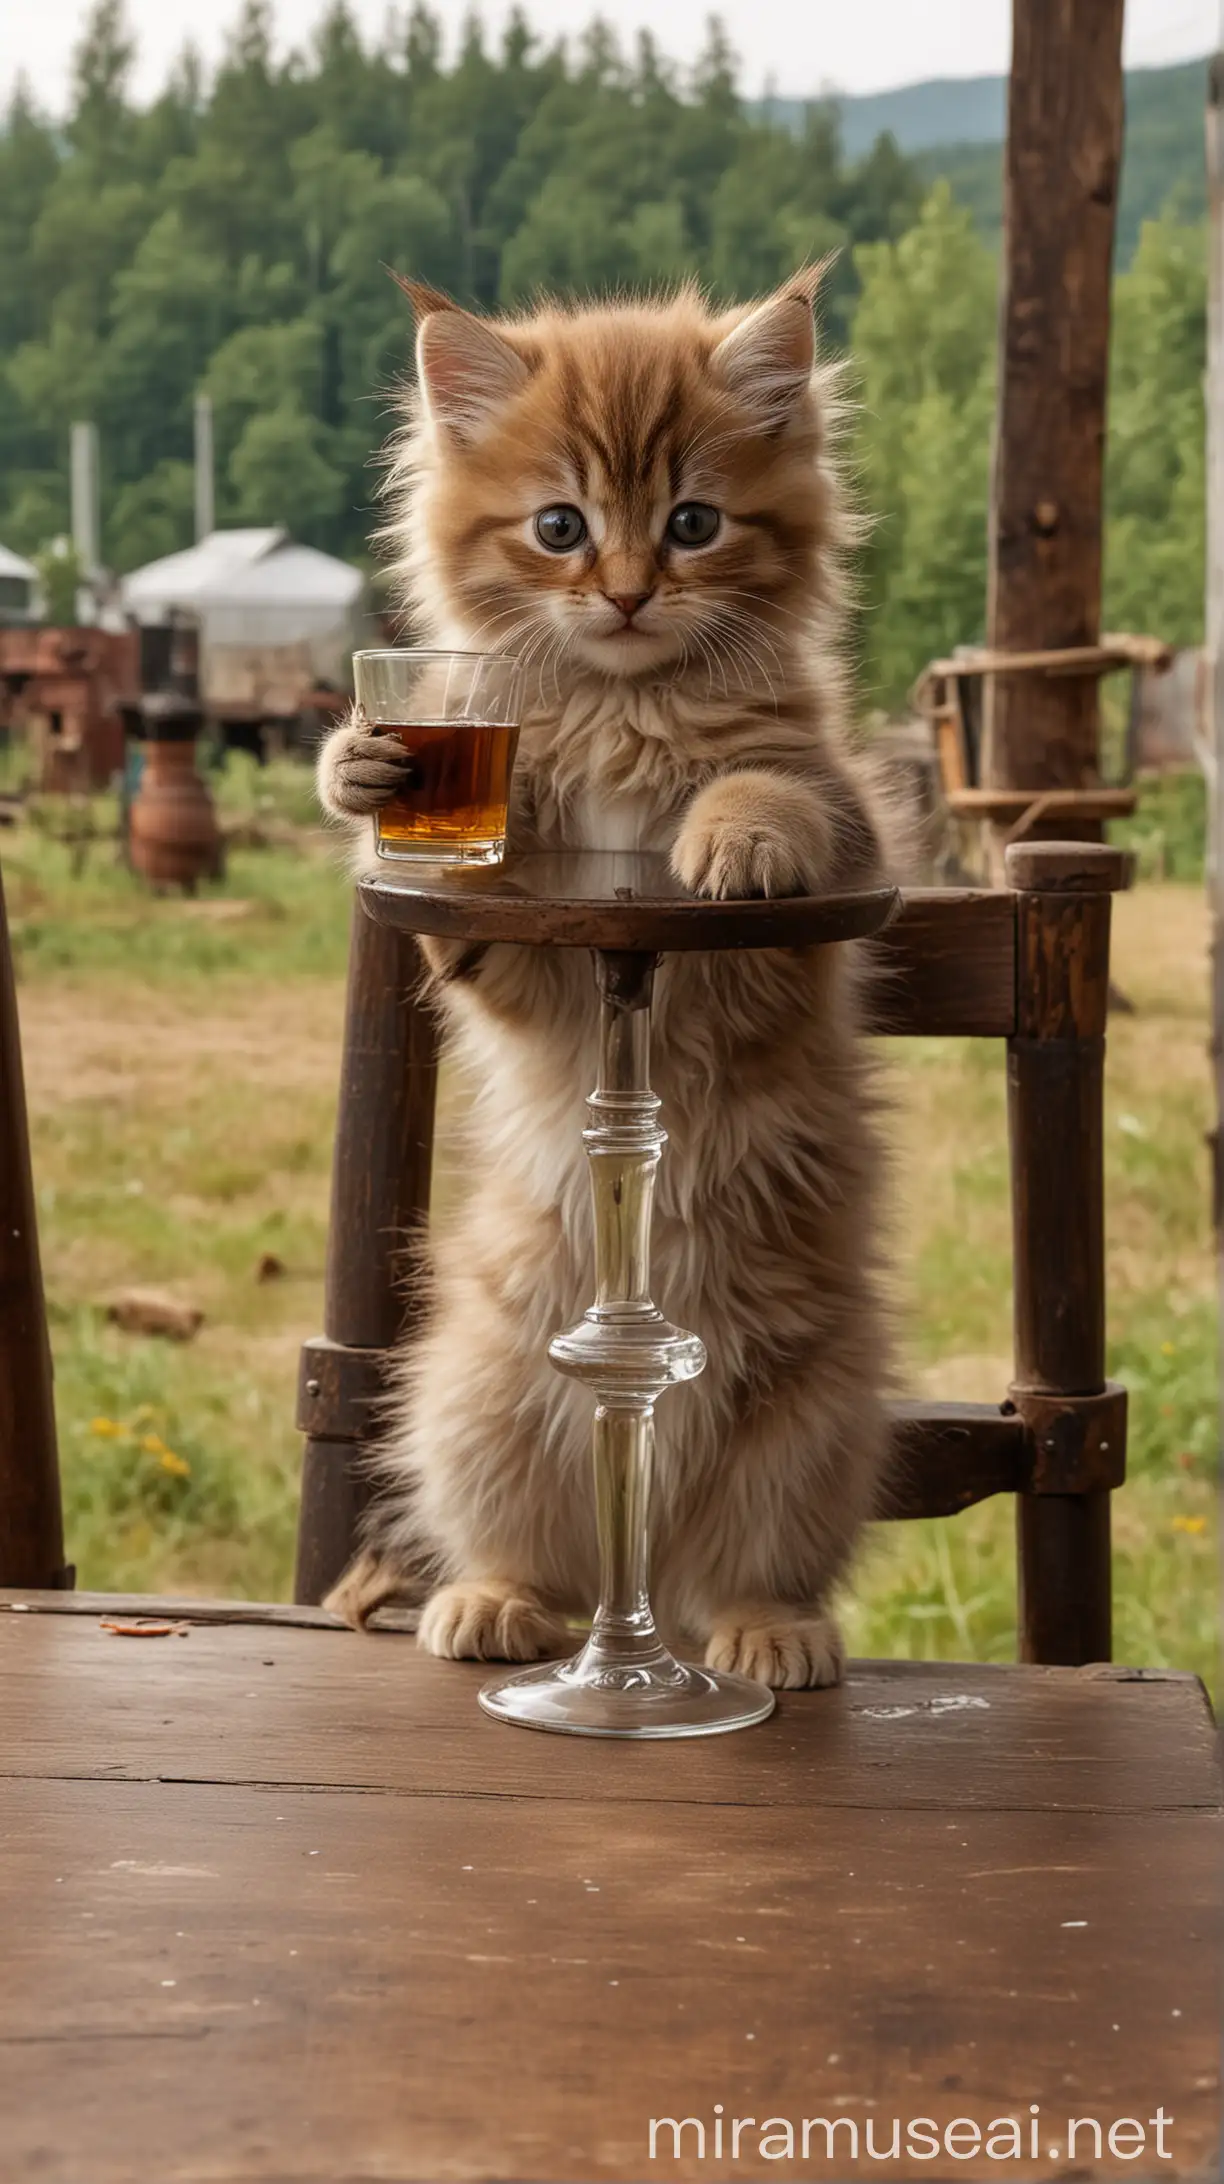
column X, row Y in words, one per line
column 636, row 500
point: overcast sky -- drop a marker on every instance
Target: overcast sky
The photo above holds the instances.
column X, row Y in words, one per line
column 804, row 45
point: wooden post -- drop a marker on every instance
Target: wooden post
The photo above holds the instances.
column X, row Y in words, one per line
column 31, row 1526
column 1064, row 145
column 380, row 1202
column 1055, row 1077
column 1214, row 633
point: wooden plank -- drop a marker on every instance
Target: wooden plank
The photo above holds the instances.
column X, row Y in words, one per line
column 1004, row 804
column 950, row 1455
column 1064, row 145
column 948, row 965
column 331, row 1709
column 950, row 734
column 1055, row 1088
column 31, row 1529
column 947, row 957
column 1069, row 868
column 315, row 1989
column 628, row 901
column 384, row 1142
column 177, row 1607
column 1118, row 649
column 381, row 1172
column 1213, row 659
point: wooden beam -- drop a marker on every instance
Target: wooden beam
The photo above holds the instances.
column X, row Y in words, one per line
column 381, row 1171
column 948, row 966
column 1064, row 145
column 31, row 1529
column 1214, row 724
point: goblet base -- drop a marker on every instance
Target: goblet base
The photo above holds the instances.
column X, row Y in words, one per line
column 663, row 1697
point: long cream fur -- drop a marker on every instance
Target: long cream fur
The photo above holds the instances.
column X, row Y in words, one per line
column 707, row 725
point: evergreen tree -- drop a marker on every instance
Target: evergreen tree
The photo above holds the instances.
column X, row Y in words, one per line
column 233, row 235
column 102, row 64
column 1156, row 485
column 923, row 341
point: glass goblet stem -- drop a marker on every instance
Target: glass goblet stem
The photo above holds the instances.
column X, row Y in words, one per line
column 623, row 1348
column 625, row 1682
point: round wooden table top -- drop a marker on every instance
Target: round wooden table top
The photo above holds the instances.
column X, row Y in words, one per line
column 608, row 899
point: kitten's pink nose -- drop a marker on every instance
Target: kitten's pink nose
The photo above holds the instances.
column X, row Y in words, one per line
column 629, row 601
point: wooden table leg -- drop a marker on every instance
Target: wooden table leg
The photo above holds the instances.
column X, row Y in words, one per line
column 31, row 1523
column 1056, row 1066
column 379, row 1204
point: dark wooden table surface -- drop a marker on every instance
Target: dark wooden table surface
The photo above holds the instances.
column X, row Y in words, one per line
column 281, row 1906
column 609, row 899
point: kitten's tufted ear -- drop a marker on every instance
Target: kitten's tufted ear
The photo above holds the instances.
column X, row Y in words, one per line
column 766, row 360
column 467, row 372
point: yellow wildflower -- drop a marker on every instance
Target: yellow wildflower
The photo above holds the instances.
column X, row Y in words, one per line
column 152, row 1444
column 107, row 1429
column 1189, row 1524
column 177, row 1466
column 1168, row 1349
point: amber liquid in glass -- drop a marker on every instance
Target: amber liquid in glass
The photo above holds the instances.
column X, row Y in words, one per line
column 456, row 812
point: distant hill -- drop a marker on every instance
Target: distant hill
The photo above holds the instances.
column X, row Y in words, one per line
column 948, row 110
column 956, row 128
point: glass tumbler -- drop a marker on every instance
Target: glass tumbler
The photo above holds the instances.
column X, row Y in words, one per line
column 457, row 716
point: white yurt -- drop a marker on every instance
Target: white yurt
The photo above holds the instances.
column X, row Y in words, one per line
column 18, row 588
column 272, row 615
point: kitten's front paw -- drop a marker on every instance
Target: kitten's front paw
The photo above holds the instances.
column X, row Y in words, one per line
column 789, row 1655
column 360, row 769
column 751, row 834
column 369, row 1583
column 485, row 1620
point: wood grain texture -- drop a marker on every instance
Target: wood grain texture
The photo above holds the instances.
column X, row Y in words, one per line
column 178, row 1607
column 1213, row 725
column 1055, row 1081
column 506, row 1967
column 612, row 900
column 384, row 1137
column 1064, row 146
column 381, row 1170
column 949, row 1455
column 31, row 1527
column 948, row 965
column 1069, row 868
column 1055, row 1089
column 1047, row 805
column 947, row 960
column 334, row 1709
column 1064, row 1581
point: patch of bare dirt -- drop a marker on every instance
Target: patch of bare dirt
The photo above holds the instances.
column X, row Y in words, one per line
column 279, row 1040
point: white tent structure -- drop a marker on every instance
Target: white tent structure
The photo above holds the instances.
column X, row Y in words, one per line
column 255, row 594
column 18, row 587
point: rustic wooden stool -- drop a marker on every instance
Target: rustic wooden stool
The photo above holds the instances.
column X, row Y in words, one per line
column 950, row 694
column 628, row 911
column 1028, row 965
column 283, row 1907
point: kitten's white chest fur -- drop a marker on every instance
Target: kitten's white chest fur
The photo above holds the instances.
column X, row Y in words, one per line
column 600, row 821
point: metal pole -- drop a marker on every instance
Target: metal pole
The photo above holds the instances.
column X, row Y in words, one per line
column 205, row 471
column 85, row 523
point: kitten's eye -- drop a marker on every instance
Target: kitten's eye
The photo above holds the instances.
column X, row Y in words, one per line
column 693, row 523
column 560, row 529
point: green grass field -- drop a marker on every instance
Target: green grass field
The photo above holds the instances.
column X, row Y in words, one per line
column 181, row 1061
